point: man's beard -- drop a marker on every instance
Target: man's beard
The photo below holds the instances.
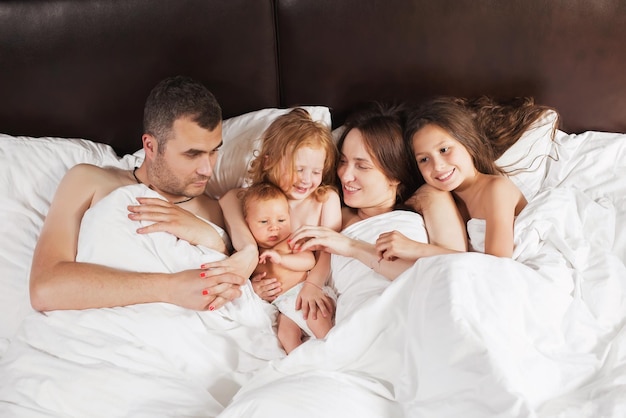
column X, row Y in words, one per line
column 165, row 181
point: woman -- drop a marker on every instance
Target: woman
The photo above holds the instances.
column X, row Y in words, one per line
column 376, row 173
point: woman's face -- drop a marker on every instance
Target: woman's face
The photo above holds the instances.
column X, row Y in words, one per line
column 363, row 183
column 309, row 168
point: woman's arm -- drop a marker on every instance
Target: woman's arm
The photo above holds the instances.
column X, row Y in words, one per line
column 395, row 245
column 325, row 239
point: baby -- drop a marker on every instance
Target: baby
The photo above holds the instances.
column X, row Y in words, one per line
column 266, row 211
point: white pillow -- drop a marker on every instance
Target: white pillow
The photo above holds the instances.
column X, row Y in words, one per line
column 526, row 161
column 242, row 139
column 30, row 171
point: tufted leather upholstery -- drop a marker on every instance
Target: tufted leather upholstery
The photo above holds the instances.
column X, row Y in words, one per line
column 567, row 54
column 83, row 68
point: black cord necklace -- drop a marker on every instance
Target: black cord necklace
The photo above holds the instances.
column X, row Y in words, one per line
column 140, row 182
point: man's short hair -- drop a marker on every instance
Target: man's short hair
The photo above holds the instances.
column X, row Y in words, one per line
column 179, row 97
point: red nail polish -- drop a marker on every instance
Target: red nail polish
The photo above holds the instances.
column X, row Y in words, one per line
column 211, row 308
column 203, row 274
column 205, row 292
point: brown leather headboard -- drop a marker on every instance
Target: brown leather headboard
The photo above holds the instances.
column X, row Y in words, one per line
column 569, row 54
column 83, row 68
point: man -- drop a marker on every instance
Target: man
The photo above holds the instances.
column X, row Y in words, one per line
column 183, row 132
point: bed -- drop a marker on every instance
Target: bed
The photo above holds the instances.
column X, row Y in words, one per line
column 542, row 335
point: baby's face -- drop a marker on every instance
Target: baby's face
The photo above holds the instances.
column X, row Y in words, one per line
column 269, row 221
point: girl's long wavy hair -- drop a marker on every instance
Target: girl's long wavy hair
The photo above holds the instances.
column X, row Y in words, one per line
column 485, row 127
column 286, row 135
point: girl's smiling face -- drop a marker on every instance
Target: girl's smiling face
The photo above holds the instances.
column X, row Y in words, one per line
column 443, row 161
column 301, row 179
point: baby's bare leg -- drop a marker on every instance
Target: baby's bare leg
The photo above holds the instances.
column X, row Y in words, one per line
column 320, row 326
column 289, row 333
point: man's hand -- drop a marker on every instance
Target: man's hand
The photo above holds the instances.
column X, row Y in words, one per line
column 167, row 217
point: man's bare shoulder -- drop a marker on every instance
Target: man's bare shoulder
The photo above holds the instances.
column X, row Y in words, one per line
column 100, row 180
column 104, row 172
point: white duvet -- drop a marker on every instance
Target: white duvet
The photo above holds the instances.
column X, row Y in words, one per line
column 145, row 360
column 472, row 335
column 467, row 335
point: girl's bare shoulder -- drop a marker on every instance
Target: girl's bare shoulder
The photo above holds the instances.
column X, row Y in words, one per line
column 499, row 184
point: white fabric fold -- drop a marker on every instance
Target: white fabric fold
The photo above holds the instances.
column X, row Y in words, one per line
column 145, row 360
column 471, row 334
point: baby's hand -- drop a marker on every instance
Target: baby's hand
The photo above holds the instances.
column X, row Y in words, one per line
column 270, row 255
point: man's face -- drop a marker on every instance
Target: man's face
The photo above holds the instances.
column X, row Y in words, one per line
column 185, row 165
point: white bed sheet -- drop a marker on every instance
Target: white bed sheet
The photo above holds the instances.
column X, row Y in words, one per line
column 141, row 360
column 465, row 335
column 478, row 336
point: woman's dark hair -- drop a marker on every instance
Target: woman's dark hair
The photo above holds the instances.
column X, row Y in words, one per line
column 381, row 126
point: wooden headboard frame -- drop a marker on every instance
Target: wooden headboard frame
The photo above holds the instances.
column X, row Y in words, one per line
column 83, row 68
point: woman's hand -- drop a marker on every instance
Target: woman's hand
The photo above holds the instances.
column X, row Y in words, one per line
column 204, row 289
column 175, row 220
column 393, row 245
column 319, row 238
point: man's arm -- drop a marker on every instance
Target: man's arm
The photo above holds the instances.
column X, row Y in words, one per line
column 59, row 282
column 182, row 223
